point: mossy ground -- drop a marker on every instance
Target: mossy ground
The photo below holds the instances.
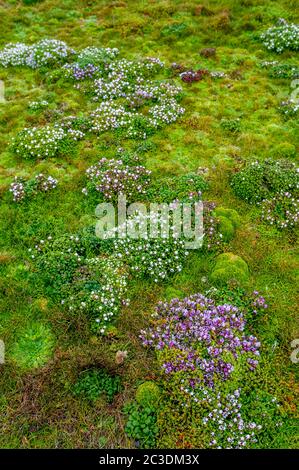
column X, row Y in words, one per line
column 36, row 406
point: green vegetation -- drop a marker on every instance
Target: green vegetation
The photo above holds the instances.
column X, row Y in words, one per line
column 210, row 118
column 92, row 383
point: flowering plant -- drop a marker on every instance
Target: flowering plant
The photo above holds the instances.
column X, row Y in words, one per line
column 282, row 210
column 156, row 258
column 289, row 108
column 44, row 53
column 200, row 341
column 94, row 285
column 38, row 105
column 260, row 179
column 190, row 76
column 44, row 142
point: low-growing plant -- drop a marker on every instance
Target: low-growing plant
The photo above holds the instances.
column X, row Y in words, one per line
column 45, row 142
column 156, row 258
column 148, row 394
column 289, row 108
column 142, row 425
column 258, row 180
column 282, row 210
column 33, row 346
column 229, row 268
column 284, row 150
column 81, row 278
column 283, row 36
column 112, row 177
column 231, row 125
column 38, row 105
column 200, row 341
column 93, row 383
column 22, row 189
column 228, row 220
column 184, row 188
column 47, row 52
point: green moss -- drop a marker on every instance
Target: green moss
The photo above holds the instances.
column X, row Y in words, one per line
column 34, row 346
column 172, row 293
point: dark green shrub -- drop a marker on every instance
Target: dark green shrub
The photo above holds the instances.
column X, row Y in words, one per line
column 142, row 425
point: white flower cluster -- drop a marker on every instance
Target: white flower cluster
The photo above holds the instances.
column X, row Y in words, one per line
column 165, row 112
column 282, row 210
column 21, row 189
column 289, row 108
column 156, row 256
column 43, row 53
column 17, row 189
column 281, row 37
column 110, row 115
column 112, row 177
column 216, row 74
column 123, row 78
column 95, row 55
column 230, row 430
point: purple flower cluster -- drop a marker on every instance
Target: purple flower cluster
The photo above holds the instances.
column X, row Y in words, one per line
column 196, row 335
column 282, row 210
column 22, row 189
column 111, row 177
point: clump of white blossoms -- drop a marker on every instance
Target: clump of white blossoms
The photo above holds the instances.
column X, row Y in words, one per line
column 95, row 55
column 283, row 36
column 149, row 246
column 37, row 105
